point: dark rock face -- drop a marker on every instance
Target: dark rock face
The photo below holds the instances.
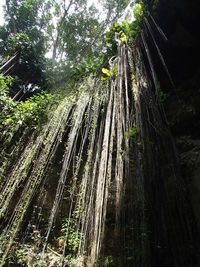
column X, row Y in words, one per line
column 179, row 20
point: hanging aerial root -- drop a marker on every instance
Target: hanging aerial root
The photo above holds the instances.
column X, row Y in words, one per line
column 43, row 150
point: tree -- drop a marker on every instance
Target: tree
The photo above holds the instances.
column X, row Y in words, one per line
column 114, row 10
column 78, row 26
column 23, row 17
column 22, row 41
column 71, row 30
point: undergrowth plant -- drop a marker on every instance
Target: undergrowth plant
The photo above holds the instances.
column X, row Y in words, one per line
column 70, row 238
column 14, row 114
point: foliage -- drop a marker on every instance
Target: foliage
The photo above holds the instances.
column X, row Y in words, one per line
column 22, row 253
column 85, row 36
column 115, row 9
column 32, row 113
column 118, row 31
column 115, row 32
column 22, row 29
column 19, row 41
column 30, row 65
column 70, row 236
column 108, row 74
column 90, row 65
column 19, row 254
column 127, row 32
column 132, row 133
column 162, row 96
column 78, row 32
column 23, row 17
column 22, row 43
column 108, row 261
column 5, row 82
column 28, row 254
column 72, row 31
column 22, row 33
column 140, row 11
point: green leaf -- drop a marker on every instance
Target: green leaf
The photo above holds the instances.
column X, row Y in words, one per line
column 114, row 70
column 106, row 71
column 103, row 78
column 123, row 38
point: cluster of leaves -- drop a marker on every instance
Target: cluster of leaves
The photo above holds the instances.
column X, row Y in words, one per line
column 32, row 113
column 30, row 64
column 21, row 254
column 127, row 32
column 26, row 254
column 140, row 11
column 98, row 63
column 18, row 254
column 71, row 236
column 22, row 18
column 132, row 133
column 20, row 41
column 108, row 74
column 28, row 53
column 90, row 65
column 22, row 33
column 72, row 31
column 117, row 31
column 107, row 261
column 162, row 96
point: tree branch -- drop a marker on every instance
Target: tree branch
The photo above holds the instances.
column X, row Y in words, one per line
column 60, row 23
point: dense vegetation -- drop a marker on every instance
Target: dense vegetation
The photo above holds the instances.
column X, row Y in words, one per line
column 70, row 34
column 49, row 42
column 43, row 44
